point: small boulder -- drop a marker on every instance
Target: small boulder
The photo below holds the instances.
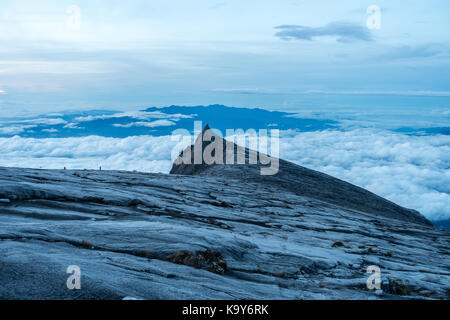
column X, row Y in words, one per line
column 337, row 244
column 207, row 260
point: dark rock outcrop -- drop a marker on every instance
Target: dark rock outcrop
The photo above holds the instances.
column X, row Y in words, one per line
column 208, row 260
column 292, row 178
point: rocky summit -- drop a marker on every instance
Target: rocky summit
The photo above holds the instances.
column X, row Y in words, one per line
column 212, row 231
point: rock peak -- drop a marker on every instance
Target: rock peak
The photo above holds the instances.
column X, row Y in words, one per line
column 206, row 128
column 290, row 177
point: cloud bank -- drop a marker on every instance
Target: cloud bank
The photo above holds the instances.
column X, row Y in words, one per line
column 142, row 153
column 141, row 115
column 413, row 171
column 152, row 124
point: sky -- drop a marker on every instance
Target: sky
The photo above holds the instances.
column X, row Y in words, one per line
column 126, row 54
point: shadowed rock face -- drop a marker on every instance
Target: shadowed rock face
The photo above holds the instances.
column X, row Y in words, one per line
column 293, row 178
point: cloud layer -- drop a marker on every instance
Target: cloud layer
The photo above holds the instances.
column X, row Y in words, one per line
column 413, row 171
column 152, row 124
column 142, row 153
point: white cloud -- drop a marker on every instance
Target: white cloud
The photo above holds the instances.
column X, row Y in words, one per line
column 413, row 171
column 44, row 121
column 15, row 129
column 50, row 130
column 142, row 153
column 152, row 124
column 72, row 126
column 141, row 115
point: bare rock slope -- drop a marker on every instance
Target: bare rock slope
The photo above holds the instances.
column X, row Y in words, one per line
column 293, row 178
column 222, row 232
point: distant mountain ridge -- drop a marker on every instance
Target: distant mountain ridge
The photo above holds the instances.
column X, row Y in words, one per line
column 155, row 121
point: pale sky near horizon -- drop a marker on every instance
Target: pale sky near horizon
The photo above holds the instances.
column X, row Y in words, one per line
column 162, row 51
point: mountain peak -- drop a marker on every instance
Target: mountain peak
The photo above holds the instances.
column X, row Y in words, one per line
column 290, row 177
column 206, row 128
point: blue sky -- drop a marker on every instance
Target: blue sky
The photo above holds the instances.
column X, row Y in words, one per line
column 135, row 53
